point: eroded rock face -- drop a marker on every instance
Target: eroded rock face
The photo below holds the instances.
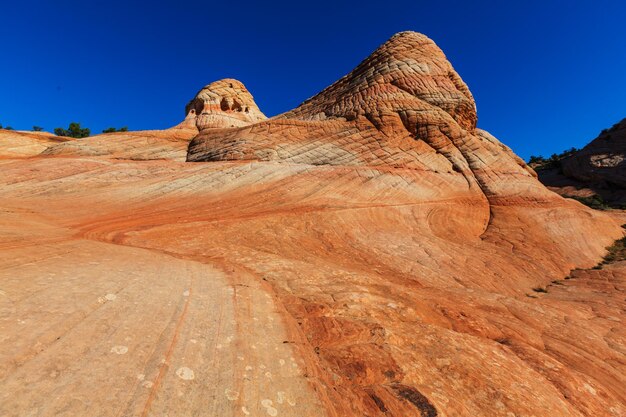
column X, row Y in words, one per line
column 597, row 169
column 223, row 104
column 602, row 160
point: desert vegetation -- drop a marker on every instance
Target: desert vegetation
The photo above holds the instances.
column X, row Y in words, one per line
column 73, row 131
column 114, row 130
column 595, row 201
column 554, row 161
column 617, row 251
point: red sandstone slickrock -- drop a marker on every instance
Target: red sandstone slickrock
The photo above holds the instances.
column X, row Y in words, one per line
column 369, row 253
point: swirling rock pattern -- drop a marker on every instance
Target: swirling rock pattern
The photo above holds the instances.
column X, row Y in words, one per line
column 223, row 104
column 402, row 107
column 370, row 253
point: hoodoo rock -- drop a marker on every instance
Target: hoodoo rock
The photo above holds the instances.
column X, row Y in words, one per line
column 369, row 253
column 223, row 104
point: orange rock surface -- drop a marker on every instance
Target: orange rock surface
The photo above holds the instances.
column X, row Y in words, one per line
column 20, row 144
column 141, row 145
column 370, row 253
column 223, row 104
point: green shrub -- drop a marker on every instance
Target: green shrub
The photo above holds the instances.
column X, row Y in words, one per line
column 617, row 252
column 536, row 160
column 595, row 201
column 37, row 128
column 74, row 131
column 114, row 130
column 554, row 161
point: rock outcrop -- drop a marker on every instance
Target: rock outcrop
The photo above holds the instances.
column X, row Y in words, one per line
column 603, row 161
column 403, row 107
column 597, row 169
column 369, row 253
column 223, row 104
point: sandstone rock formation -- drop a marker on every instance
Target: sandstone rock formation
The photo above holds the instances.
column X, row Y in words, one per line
column 404, row 107
column 370, row 253
column 596, row 171
column 601, row 161
column 223, row 104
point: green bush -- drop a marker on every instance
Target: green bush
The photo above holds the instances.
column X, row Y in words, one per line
column 74, row 131
column 114, row 130
column 617, row 252
column 554, row 161
column 536, row 160
column 37, row 128
column 595, row 201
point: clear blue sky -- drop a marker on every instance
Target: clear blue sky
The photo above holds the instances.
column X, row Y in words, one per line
column 547, row 75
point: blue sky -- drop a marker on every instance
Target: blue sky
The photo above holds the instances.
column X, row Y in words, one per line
column 546, row 75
